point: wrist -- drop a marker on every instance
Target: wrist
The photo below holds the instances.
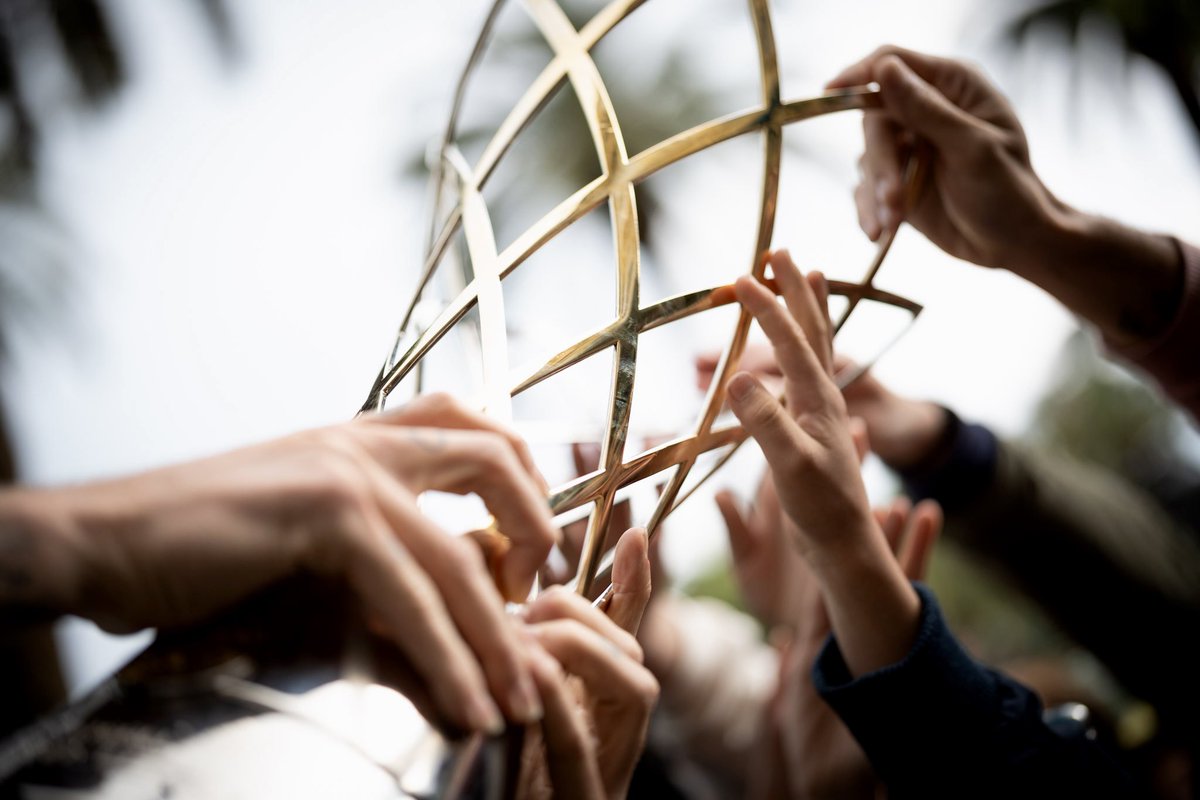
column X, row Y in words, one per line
column 1126, row 282
column 874, row 611
column 917, row 433
column 43, row 557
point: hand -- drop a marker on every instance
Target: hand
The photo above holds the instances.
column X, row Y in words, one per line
column 981, row 191
column 175, row 545
column 984, row 203
column 902, row 432
column 769, row 570
column 597, row 695
column 811, row 753
column 811, row 452
column 809, row 442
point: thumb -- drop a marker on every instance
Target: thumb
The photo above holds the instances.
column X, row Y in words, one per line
column 765, row 419
column 921, row 107
column 631, row 580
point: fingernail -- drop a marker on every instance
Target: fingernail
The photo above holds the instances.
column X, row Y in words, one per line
column 741, row 385
column 524, row 701
column 486, row 717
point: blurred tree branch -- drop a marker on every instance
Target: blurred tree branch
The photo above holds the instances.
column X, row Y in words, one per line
column 1167, row 32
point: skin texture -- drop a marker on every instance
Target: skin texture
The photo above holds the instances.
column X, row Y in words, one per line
column 809, row 447
column 809, row 753
column 902, row 431
column 175, row 545
column 597, row 694
column 983, row 202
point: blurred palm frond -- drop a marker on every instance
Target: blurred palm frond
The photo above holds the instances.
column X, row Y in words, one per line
column 81, row 36
column 1167, row 32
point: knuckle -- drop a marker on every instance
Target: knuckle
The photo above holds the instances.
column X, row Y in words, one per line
column 557, row 603
column 494, row 451
column 646, row 689
column 464, row 559
column 441, row 401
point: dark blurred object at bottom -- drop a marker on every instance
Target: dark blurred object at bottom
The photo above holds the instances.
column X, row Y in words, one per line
column 286, row 696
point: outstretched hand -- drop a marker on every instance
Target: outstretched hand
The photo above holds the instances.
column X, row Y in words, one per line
column 175, row 545
column 810, row 449
column 597, row 694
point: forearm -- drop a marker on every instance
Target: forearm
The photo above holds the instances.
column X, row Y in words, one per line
column 1126, row 282
column 938, row 724
column 873, row 609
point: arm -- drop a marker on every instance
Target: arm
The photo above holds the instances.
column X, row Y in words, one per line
column 872, row 607
column 1099, row 554
column 886, row 637
column 984, row 203
column 939, row 724
column 174, row 545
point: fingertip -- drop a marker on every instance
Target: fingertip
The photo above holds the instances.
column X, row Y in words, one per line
column 820, row 286
column 633, row 548
column 742, row 386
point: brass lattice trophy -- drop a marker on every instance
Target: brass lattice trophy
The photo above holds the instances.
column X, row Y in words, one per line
column 286, row 695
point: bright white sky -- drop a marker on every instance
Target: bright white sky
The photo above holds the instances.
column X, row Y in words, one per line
column 241, row 243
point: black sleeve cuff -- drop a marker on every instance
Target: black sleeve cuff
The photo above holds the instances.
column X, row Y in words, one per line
column 958, row 470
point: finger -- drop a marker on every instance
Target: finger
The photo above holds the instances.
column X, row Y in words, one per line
column 766, row 514
column 801, row 368
column 742, row 539
column 925, row 525
column 802, row 302
column 864, row 204
column 894, row 520
column 484, row 463
column 559, row 604
column 440, row 410
column 783, row 443
column 932, row 68
column 631, row 580
column 923, row 109
column 606, row 669
column 409, row 608
column 858, row 433
column 883, row 165
column 570, row 749
column 468, row 593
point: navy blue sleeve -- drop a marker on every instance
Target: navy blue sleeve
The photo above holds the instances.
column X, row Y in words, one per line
column 959, row 468
column 939, row 724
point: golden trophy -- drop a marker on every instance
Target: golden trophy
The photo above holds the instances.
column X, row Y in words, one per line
column 291, row 696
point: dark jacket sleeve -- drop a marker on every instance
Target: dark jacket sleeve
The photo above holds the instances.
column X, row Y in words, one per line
column 938, row 724
column 1097, row 553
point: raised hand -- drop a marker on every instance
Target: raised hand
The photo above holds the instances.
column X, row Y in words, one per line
column 597, row 695
column 984, row 202
column 811, row 451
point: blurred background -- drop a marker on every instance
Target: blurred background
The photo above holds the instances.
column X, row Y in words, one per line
column 212, row 215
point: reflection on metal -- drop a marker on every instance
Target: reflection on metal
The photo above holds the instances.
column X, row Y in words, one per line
column 620, row 173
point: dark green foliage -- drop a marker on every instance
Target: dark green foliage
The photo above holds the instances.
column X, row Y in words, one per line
column 1167, row 32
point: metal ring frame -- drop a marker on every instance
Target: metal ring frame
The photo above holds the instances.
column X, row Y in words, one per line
column 572, row 62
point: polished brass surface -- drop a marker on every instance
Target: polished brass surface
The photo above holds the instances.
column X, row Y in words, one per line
column 467, row 213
